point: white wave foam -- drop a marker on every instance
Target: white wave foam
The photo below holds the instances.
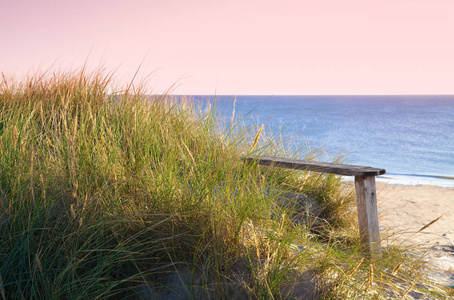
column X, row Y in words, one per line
column 416, row 180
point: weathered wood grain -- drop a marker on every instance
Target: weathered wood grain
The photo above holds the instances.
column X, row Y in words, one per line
column 366, row 203
column 314, row 166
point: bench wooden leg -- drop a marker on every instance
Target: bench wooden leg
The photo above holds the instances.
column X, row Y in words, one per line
column 366, row 201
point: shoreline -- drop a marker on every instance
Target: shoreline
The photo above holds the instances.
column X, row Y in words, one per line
column 412, row 180
column 417, row 180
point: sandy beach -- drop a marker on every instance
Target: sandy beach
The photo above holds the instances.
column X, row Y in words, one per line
column 405, row 209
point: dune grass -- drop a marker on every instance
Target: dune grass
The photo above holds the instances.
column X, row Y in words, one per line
column 122, row 195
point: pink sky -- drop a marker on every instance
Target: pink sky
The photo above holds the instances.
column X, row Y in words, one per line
column 240, row 47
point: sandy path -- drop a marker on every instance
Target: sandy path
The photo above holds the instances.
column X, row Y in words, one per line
column 405, row 209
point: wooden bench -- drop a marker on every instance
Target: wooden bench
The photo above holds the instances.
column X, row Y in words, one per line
column 366, row 197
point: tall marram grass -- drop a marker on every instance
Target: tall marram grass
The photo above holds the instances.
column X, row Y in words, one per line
column 123, row 195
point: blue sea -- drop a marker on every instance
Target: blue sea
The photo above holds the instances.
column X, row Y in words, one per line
column 412, row 137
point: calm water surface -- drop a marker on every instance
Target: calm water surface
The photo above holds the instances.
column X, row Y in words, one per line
column 412, row 137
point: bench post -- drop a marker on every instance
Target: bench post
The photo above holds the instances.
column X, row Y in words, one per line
column 366, row 201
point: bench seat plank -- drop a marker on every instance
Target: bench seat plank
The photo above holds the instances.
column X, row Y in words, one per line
column 314, row 166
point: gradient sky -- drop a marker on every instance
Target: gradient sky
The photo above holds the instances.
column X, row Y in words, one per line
column 239, row 46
